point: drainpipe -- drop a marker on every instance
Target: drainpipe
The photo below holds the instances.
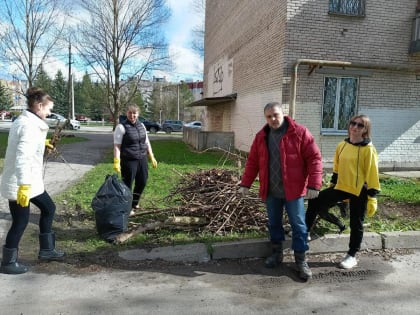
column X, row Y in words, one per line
column 317, row 63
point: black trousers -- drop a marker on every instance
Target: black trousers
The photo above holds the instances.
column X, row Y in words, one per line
column 327, row 198
column 20, row 218
column 136, row 171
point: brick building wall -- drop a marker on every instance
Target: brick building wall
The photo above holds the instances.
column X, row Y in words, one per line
column 264, row 39
column 381, row 37
column 251, row 34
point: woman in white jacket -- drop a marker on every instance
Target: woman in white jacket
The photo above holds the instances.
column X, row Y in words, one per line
column 22, row 181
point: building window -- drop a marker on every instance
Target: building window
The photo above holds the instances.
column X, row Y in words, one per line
column 415, row 42
column 340, row 99
column 347, row 7
column 416, row 27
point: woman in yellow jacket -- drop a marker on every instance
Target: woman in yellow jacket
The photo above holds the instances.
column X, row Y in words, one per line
column 355, row 177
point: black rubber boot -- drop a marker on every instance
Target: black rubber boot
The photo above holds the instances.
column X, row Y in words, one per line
column 47, row 249
column 276, row 257
column 9, row 263
column 302, row 265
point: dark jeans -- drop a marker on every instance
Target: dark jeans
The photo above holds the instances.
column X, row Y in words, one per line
column 20, row 216
column 136, row 171
column 328, row 198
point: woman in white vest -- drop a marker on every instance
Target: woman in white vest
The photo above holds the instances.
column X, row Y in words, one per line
column 22, row 181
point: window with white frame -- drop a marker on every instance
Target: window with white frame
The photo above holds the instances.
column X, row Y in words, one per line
column 347, row 7
column 340, row 102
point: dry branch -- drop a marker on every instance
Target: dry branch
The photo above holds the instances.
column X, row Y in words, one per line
column 213, row 194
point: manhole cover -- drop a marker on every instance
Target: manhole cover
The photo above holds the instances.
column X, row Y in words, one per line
column 344, row 276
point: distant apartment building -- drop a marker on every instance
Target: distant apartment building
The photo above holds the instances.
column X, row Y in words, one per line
column 17, row 90
column 325, row 61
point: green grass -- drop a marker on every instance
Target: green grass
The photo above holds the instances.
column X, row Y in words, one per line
column 175, row 160
column 400, row 189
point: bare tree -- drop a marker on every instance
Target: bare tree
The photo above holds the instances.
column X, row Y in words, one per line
column 120, row 41
column 31, row 30
column 197, row 41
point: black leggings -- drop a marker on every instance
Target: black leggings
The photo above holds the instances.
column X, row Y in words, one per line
column 328, row 198
column 20, row 218
column 136, row 171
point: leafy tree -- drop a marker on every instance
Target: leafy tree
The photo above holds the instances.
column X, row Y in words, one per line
column 60, row 94
column 43, row 81
column 83, row 95
column 90, row 98
column 6, row 101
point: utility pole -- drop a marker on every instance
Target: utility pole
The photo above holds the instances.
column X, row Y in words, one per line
column 70, row 88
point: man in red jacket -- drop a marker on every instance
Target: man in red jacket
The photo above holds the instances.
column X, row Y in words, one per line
column 288, row 162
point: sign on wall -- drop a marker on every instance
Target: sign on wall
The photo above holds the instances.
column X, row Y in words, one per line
column 220, row 78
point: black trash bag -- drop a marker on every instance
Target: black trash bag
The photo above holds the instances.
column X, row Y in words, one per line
column 112, row 205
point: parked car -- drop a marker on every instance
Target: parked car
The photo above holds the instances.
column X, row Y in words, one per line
column 172, row 125
column 55, row 120
column 194, row 124
column 5, row 115
column 82, row 118
column 151, row 126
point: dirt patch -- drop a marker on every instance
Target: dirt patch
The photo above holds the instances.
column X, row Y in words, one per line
column 390, row 209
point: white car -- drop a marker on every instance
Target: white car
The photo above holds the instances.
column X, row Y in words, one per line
column 194, row 124
column 55, row 120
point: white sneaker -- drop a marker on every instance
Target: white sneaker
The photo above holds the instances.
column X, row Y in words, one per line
column 348, row 262
column 309, row 237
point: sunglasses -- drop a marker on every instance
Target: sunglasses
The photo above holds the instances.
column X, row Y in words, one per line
column 359, row 125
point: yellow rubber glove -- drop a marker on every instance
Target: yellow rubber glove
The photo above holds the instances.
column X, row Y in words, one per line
column 48, row 144
column 23, row 195
column 372, row 206
column 153, row 160
column 116, row 165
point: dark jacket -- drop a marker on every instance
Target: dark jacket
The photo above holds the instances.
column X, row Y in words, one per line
column 133, row 146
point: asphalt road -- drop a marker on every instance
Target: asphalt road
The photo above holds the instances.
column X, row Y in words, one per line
column 225, row 287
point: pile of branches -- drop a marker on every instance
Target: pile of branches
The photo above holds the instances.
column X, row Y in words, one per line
column 213, row 195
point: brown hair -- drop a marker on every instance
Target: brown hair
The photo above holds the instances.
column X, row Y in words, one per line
column 36, row 95
column 366, row 121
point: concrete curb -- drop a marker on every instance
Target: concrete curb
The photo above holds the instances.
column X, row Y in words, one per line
column 257, row 248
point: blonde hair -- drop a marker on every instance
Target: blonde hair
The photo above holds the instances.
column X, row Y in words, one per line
column 133, row 108
column 366, row 121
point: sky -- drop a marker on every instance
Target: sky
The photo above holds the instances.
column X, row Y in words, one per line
column 187, row 64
